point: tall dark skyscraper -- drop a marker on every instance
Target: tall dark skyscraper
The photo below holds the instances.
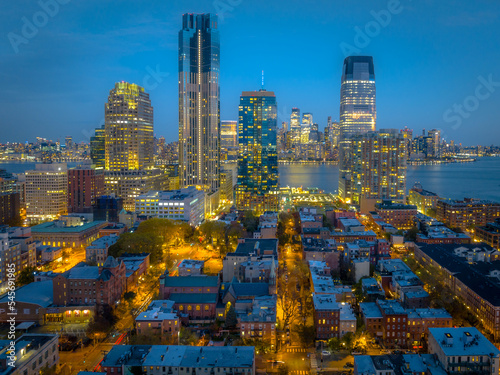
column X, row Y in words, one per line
column 257, row 187
column 98, row 148
column 358, row 113
column 199, row 103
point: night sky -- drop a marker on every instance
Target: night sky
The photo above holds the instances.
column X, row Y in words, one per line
column 430, row 58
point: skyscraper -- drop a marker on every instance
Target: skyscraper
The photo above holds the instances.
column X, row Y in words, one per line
column 435, row 134
column 295, row 119
column 98, row 148
column 229, row 140
column 128, row 128
column 129, row 144
column 378, row 166
column 307, row 119
column 199, row 103
column 358, row 113
column 257, row 187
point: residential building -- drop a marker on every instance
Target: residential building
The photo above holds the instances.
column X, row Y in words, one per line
column 189, row 267
column 199, row 102
column 468, row 213
column 398, row 215
column 464, row 350
column 426, row 201
column 180, row 360
column 159, row 319
column 187, row 284
column 97, row 252
column 472, row 273
column 258, row 177
column 257, row 319
column 186, row 204
column 326, row 316
column 85, row 184
column 490, row 233
column 33, row 353
column 229, row 140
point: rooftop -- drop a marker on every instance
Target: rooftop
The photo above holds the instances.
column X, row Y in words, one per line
column 325, row 302
column 50, row 227
column 463, row 341
column 191, row 281
column 37, row 293
column 370, row 310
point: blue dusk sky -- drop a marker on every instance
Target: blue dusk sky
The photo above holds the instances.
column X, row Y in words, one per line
column 436, row 61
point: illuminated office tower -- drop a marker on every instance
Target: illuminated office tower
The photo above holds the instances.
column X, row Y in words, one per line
column 378, row 166
column 229, row 140
column 199, row 103
column 129, row 145
column 358, row 113
column 307, row 119
column 295, row 119
column 128, row 128
column 98, row 148
column 257, row 187
column 46, row 192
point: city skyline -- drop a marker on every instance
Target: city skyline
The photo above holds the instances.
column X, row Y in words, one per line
column 436, row 74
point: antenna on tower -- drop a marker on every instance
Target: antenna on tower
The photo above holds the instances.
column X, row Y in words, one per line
column 263, row 80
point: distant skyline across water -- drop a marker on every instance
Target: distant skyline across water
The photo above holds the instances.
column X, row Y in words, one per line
column 480, row 179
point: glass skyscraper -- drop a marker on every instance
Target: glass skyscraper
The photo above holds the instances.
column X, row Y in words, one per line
column 98, row 148
column 358, row 113
column 257, row 187
column 199, row 103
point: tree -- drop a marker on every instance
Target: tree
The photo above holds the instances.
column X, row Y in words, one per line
column 283, row 369
column 334, row 344
column 287, row 301
column 26, row 276
column 187, row 337
column 231, row 318
column 348, row 340
column 411, row 234
column 305, row 333
column 129, row 296
column 138, row 243
column 250, row 221
column 213, row 232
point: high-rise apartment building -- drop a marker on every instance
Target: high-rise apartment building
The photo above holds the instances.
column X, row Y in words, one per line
column 358, row 113
column 257, row 187
column 46, row 192
column 98, row 148
column 199, row 102
column 128, row 128
column 435, row 135
column 378, row 166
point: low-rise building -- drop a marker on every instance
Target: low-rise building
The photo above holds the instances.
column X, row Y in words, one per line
column 326, row 316
column 33, row 354
column 397, row 364
column 67, row 234
column 489, row 233
column 186, row 204
column 321, row 250
column 136, row 266
column 257, row 319
column 464, row 350
column 180, row 360
column 187, row 284
column 190, row 267
column 398, row 215
column 97, row 252
column 468, row 213
column 426, row 201
column 159, row 319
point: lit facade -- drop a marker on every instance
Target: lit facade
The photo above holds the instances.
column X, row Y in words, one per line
column 199, row 103
column 128, row 128
column 229, row 140
column 46, row 192
column 84, row 186
column 378, row 169
column 358, row 112
column 186, row 204
column 257, row 187
column 98, row 148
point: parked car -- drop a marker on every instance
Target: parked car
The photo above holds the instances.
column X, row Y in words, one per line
column 325, row 352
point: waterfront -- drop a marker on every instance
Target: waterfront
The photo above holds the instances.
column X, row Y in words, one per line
column 480, row 179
